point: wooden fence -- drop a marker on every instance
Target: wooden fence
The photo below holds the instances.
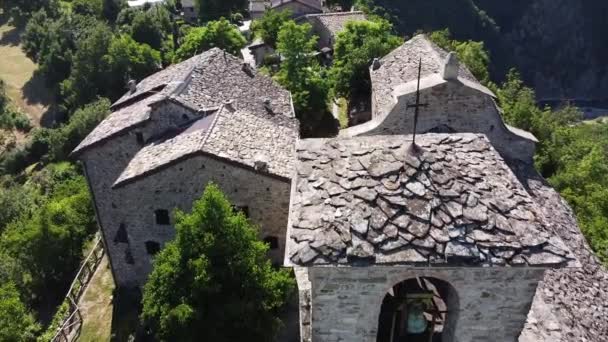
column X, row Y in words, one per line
column 69, row 330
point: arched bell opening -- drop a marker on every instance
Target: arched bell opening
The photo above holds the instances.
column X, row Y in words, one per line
column 421, row 309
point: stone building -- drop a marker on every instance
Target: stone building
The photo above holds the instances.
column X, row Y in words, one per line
column 456, row 101
column 297, row 7
column 376, row 227
column 257, row 8
column 327, row 25
column 209, row 118
column 189, row 10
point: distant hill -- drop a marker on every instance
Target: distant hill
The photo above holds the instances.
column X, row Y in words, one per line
column 560, row 46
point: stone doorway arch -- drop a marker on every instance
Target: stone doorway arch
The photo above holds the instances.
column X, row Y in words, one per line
column 419, row 309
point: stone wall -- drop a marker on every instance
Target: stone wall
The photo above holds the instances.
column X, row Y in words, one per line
column 457, row 107
column 133, row 205
column 492, row 303
column 103, row 164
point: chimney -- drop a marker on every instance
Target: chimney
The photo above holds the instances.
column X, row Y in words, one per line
column 247, row 69
column 376, row 64
column 450, row 67
column 132, row 85
column 229, row 105
column 268, row 106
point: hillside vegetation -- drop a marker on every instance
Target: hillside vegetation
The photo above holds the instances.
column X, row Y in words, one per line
column 559, row 46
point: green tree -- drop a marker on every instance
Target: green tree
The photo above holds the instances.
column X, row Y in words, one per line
column 221, row 34
column 48, row 244
column 111, row 8
column 151, row 27
column 21, row 11
column 66, row 137
column 214, row 281
column 88, row 78
column 518, row 102
column 301, row 74
column 581, row 177
column 355, row 48
column 16, row 323
column 126, row 59
column 93, row 8
column 268, row 26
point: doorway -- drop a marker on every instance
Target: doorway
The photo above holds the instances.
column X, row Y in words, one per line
column 420, row 309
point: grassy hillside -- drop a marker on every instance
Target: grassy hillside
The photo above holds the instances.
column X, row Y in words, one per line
column 25, row 89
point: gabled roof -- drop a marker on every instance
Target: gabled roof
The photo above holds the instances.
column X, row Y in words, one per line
column 314, row 4
column 334, row 22
column 400, row 67
column 369, row 200
column 239, row 136
column 202, row 83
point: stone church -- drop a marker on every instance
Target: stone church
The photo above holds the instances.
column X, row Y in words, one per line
column 209, row 118
column 454, row 238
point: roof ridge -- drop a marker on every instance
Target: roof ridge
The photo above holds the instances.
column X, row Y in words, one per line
column 218, row 113
column 327, row 14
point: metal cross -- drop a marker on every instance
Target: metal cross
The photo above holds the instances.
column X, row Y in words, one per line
column 417, row 105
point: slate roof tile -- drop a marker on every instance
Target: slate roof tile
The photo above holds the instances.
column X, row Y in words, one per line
column 452, row 222
column 202, row 82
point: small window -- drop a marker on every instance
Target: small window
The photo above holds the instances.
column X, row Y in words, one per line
column 272, row 241
column 121, row 234
column 244, row 210
column 162, row 217
column 139, row 136
column 185, row 117
column 152, row 247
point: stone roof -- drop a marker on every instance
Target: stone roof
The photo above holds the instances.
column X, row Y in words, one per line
column 203, row 83
column 570, row 303
column 368, row 200
column 334, row 22
column 400, row 67
column 316, row 4
column 238, row 136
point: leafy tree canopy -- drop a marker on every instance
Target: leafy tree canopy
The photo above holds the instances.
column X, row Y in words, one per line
column 301, row 74
column 151, row 27
column 355, row 48
column 220, row 33
column 268, row 26
column 93, row 8
column 16, row 323
column 214, row 281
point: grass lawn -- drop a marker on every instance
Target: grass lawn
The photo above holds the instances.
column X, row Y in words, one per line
column 96, row 305
column 26, row 91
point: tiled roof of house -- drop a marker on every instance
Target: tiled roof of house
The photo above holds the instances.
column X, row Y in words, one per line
column 202, row 82
column 240, row 136
column 336, row 21
column 369, row 200
column 316, row 4
column 400, row 67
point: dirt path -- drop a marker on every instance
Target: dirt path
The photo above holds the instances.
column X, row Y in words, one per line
column 96, row 305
